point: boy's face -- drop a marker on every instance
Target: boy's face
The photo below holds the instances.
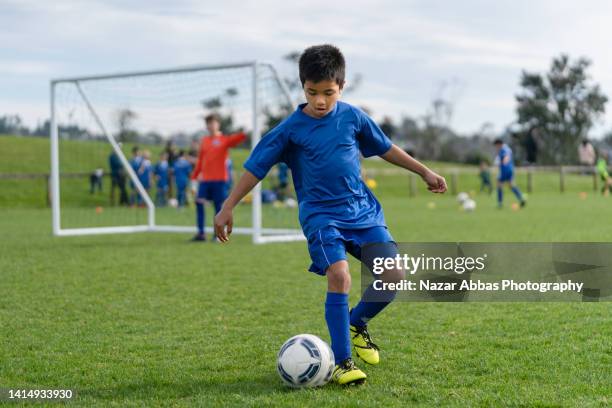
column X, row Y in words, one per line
column 498, row 147
column 321, row 97
column 212, row 126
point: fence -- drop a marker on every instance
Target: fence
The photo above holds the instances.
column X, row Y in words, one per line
column 528, row 175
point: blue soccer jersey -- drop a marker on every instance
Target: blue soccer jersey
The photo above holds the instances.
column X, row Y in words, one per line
column 505, row 153
column 144, row 174
column 182, row 171
column 161, row 171
column 135, row 163
column 324, row 158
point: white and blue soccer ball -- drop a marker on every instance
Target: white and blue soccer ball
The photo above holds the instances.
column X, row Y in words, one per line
column 462, row 197
column 305, row 361
column 469, row 205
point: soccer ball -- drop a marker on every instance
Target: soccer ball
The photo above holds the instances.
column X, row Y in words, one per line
column 469, row 205
column 173, row 202
column 305, row 361
column 371, row 183
column 462, row 197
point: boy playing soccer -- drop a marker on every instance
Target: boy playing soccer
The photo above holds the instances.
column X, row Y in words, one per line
column 211, row 170
column 321, row 143
column 506, row 172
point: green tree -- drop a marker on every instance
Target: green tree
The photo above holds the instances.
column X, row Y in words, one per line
column 125, row 119
column 563, row 104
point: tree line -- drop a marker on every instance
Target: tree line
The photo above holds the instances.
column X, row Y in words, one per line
column 555, row 111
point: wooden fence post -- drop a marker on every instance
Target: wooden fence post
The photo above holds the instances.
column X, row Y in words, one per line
column 453, row 183
column 529, row 180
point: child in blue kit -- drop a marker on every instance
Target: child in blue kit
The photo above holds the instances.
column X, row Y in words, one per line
column 321, row 143
column 505, row 162
column 182, row 172
column 161, row 174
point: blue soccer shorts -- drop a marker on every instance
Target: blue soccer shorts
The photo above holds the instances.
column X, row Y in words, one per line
column 330, row 245
column 215, row 191
column 505, row 175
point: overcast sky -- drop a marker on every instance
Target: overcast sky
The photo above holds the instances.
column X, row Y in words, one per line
column 405, row 50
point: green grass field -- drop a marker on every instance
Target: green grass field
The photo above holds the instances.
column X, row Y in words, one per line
column 152, row 320
column 149, row 319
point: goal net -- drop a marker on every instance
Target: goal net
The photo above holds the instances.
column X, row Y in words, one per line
column 116, row 141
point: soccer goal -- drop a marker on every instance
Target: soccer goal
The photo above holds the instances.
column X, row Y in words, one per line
column 97, row 187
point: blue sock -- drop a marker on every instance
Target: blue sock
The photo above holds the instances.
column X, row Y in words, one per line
column 200, row 217
column 375, row 301
column 517, row 193
column 500, row 195
column 337, row 318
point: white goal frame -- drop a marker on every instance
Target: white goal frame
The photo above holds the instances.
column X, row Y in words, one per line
column 259, row 234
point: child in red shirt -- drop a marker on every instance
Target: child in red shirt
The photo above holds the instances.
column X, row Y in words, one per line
column 211, row 170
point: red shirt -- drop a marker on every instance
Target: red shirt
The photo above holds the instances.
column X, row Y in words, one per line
column 212, row 159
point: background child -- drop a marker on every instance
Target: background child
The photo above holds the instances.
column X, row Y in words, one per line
column 161, row 174
column 506, row 172
column 135, row 163
column 144, row 174
column 485, row 177
column 182, row 169
column 211, row 170
column 602, row 170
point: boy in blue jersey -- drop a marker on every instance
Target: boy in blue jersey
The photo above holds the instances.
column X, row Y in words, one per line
column 135, row 163
column 506, row 172
column 182, row 172
column 321, row 143
column 144, row 174
column 161, row 174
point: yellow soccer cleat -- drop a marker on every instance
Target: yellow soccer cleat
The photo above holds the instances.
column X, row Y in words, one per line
column 364, row 347
column 346, row 373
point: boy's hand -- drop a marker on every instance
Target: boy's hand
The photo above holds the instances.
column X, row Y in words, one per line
column 435, row 182
column 222, row 219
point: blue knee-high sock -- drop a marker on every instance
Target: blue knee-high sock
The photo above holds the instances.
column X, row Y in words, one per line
column 337, row 318
column 200, row 217
column 500, row 195
column 517, row 193
column 372, row 303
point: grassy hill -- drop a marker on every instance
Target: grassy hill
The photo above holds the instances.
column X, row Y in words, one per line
column 27, row 155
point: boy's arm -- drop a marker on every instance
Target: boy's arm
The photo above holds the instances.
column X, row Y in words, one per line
column 235, row 139
column 225, row 218
column 435, row 182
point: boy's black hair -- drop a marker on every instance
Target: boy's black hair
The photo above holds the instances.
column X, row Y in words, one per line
column 213, row 116
column 498, row 141
column 135, row 149
column 181, row 153
column 322, row 63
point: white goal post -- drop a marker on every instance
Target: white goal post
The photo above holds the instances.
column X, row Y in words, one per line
column 161, row 105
